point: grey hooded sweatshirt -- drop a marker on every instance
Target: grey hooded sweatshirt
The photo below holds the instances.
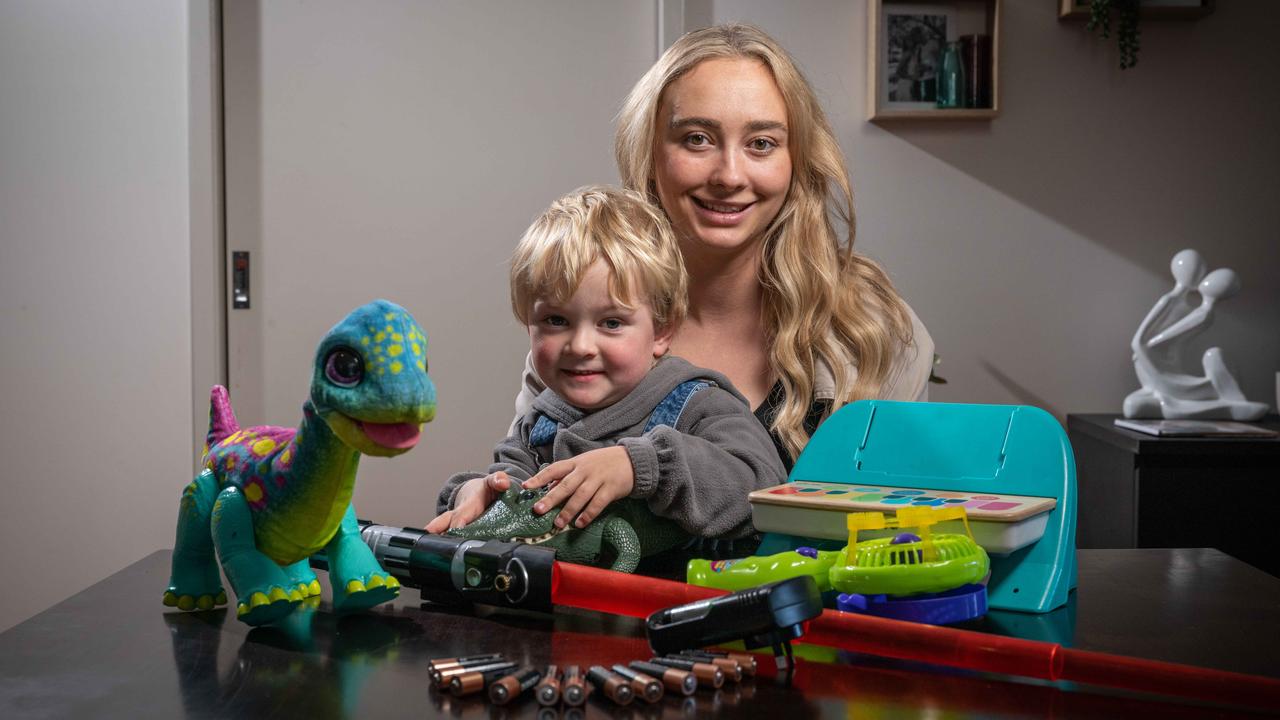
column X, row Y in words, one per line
column 697, row 474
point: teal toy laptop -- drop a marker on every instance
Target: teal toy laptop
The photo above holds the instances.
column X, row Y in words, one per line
column 1010, row 467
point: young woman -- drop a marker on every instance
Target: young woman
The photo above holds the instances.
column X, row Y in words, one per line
column 727, row 137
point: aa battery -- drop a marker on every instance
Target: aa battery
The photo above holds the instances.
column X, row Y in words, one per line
column 617, row 689
column 746, row 661
column 730, row 667
column 644, row 686
column 708, row 675
column 677, row 681
column 548, row 691
column 507, row 688
column 475, row 680
column 439, row 665
column 573, row 688
column 446, row 676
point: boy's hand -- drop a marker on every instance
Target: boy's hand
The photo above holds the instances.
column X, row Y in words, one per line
column 591, row 480
column 473, row 498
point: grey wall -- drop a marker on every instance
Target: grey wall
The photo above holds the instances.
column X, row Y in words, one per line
column 95, row 329
column 1031, row 245
column 400, row 153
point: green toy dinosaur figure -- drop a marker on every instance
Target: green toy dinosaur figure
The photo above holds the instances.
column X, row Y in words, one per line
column 625, row 532
column 270, row 497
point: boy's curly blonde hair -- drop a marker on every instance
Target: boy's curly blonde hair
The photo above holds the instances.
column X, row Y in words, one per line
column 618, row 226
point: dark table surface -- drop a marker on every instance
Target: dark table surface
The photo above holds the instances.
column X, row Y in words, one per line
column 115, row 651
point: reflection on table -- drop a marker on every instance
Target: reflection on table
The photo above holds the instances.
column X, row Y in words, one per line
column 112, row 652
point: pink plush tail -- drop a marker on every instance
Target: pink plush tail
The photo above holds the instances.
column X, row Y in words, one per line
column 222, row 419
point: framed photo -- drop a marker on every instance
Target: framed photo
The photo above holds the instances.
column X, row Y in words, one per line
column 1154, row 9
column 914, row 38
column 906, row 40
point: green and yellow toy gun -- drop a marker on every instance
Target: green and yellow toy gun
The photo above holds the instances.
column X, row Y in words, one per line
column 901, row 564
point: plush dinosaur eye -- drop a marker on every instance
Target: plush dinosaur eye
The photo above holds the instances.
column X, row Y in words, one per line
column 344, row 367
column 528, row 495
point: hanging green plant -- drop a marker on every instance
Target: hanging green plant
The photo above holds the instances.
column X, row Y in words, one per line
column 1126, row 17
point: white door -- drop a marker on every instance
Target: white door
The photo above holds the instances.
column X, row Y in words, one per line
column 399, row 150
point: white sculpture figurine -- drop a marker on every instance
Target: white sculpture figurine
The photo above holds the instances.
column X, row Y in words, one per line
column 1157, row 351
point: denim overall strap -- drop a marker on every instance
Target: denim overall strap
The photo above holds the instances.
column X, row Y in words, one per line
column 668, row 411
column 543, row 432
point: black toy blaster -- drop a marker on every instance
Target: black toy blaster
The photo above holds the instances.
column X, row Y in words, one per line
column 450, row 570
column 767, row 616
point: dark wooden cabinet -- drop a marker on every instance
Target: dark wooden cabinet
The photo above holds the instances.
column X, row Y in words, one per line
column 1137, row 490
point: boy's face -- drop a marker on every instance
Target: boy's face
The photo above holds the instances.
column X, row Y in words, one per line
column 591, row 350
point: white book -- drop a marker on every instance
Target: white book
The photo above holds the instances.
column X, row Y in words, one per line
column 1194, row 428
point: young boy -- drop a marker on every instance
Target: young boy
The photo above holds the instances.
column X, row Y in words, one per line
column 599, row 282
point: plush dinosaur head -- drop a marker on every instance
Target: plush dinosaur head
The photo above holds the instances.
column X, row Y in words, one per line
column 511, row 518
column 370, row 382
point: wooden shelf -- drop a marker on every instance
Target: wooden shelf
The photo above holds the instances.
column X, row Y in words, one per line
column 1148, row 10
column 896, row 28
column 938, row 114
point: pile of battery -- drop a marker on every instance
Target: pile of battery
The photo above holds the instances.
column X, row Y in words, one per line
column 504, row 681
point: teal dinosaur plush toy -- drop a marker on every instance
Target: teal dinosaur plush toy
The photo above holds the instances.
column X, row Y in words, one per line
column 271, row 497
column 626, row 531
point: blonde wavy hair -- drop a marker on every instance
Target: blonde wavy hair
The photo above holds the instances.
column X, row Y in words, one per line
column 612, row 224
column 822, row 301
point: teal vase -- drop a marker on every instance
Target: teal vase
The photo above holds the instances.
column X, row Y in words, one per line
column 951, row 78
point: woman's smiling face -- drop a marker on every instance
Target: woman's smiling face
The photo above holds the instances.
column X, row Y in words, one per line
column 722, row 164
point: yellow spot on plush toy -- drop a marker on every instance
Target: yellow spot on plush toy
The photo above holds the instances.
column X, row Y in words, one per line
column 395, row 350
column 396, row 367
column 253, row 492
column 263, row 446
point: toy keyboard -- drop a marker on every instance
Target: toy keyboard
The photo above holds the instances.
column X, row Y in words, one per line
column 1000, row 523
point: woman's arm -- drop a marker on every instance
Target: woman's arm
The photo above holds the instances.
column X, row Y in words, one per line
column 908, row 379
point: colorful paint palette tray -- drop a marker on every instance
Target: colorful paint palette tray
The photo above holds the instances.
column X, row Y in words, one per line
column 1000, row 523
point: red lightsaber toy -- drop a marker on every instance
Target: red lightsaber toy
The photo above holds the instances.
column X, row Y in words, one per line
column 453, row 570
